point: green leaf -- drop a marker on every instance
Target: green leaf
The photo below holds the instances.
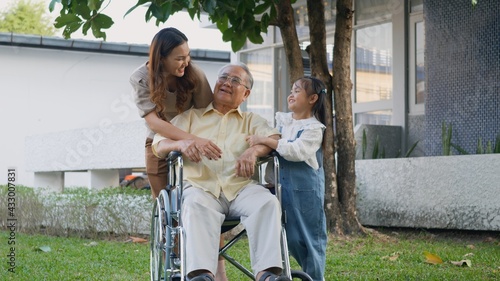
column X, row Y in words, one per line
column 85, row 27
column 96, row 31
column 411, row 149
column 82, row 9
column 103, row 21
column 222, row 24
column 255, row 36
column 139, row 3
column 66, row 19
column 237, row 44
column 241, row 9
column 71, row 28
column 93, row 4
column 209, row 6
column 264, row 22
column 259, row 9
column 227, row 35
column 52, row 5
column 364, row 144
column 376, row 148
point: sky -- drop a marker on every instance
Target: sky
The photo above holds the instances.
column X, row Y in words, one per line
column 134, row 29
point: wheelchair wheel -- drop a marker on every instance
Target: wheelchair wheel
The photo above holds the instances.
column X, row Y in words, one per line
column 160, row 239
column 300, row 275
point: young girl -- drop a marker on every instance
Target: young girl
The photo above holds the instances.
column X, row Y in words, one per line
column 301, row 173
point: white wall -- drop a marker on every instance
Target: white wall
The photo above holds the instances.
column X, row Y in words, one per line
column 48, row 90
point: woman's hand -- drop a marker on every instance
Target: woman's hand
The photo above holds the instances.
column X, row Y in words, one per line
column 207, row 148
column 188, row 149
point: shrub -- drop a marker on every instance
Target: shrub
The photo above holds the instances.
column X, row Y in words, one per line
column 81, row 211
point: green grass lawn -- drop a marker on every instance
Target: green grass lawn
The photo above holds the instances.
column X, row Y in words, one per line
column 385, row 254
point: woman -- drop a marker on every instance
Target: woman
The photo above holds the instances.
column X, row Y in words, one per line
column 163, row 87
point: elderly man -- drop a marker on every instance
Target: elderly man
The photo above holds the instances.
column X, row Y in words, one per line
column 215, row 189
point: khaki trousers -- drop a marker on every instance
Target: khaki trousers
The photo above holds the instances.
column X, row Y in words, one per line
column 203, row 215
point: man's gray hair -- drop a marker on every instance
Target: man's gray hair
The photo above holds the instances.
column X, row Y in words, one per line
column 245, row 68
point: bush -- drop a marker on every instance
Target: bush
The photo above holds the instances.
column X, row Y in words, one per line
column 80, row 211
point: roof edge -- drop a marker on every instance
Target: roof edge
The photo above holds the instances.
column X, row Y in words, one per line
column 82, row 45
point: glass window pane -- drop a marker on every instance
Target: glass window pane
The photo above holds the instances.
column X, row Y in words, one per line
column 420, row 91
column 373, row 67
column 381, row 117
column 370, row 10
column 261, row 99
column 302, row 17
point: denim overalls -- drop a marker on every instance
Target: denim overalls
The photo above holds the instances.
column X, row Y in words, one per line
column 303, row 194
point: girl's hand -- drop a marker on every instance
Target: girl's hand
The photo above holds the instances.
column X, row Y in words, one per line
column 207, row 148
column 254, row 140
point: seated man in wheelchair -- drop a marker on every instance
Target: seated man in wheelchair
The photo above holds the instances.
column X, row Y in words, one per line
column 215, row 189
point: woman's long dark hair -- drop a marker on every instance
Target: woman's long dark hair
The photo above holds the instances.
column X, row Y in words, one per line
column 161, row 46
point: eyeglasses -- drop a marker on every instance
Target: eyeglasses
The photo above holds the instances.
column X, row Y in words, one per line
column 235, row 81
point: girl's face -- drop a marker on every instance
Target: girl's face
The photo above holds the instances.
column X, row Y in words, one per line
column 177, row 61
column 298, row 100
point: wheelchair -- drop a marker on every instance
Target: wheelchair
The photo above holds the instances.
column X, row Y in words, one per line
column 167, row 252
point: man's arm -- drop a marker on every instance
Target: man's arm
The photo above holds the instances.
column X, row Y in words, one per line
column 245, row 164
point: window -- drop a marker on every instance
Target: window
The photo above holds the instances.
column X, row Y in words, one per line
column 417, row 89
column 382, row 117
column 261, row 100
column 373, row 67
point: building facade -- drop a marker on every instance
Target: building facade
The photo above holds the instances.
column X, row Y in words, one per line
column 415, row 64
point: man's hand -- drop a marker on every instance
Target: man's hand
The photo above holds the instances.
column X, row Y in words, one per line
column 245, row 164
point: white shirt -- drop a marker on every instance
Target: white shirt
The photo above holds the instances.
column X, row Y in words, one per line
column 304, row 147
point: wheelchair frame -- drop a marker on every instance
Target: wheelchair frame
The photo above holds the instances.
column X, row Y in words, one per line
column 167, row 255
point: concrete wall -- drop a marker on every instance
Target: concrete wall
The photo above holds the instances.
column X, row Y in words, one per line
column 444, row 192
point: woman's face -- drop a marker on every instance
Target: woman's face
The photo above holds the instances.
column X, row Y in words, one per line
column 177, row 61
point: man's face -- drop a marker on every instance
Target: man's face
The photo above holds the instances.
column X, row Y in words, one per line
column 231, row 88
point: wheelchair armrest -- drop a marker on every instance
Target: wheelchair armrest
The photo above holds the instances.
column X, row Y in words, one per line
column 267, row 158
column 173, row 155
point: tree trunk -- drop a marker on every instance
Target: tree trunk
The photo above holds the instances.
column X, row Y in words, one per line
column 319, row 69
column 342, row 87
column 286, row 24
